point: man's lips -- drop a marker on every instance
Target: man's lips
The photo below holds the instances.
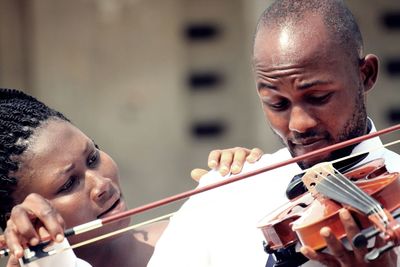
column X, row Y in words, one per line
column 307, row 145
column 306, row 142
column 117, row 206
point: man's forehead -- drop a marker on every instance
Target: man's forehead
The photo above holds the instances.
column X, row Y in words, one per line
column 292, row 43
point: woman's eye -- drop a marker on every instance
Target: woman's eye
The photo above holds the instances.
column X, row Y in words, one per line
column 93, row 159
column 69, row 185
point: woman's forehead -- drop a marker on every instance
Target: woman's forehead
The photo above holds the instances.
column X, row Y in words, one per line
column 55, row 144
column 55, row 147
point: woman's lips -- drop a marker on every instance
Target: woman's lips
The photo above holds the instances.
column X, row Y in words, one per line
column 117, row 207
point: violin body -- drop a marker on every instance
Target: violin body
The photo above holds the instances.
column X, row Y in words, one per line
column 301, row 219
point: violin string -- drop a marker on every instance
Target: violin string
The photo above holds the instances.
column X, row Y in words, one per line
column 339, row 188
column 120, row 231
column 344, row 199
column 337, row 176
column 360, row 203
column 347, row 187
column 336, row 186
column 376, row 208
column 333, row 190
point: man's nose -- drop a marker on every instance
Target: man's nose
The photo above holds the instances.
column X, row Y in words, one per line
column 301, row 120
column 102, row 188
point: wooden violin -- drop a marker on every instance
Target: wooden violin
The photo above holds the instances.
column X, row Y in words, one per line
column 368, row 191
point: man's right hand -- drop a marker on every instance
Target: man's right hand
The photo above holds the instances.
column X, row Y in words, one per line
column 229, row 160
column 31, row 222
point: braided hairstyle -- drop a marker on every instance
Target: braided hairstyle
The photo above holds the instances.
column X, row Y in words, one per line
column 20, row 116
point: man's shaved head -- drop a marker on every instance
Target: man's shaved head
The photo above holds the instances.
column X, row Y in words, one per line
column 339, row 21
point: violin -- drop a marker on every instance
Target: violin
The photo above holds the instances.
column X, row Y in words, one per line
column 369, row 191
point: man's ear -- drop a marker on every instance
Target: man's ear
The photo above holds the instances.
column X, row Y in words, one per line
column 369, row 71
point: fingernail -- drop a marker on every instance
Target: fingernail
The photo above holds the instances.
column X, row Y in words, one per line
column 304, row 250
column 325, row 232
column 59, row 238
column 223, row 170
column 213, row 164
column 34, row 241
column 18, row 251
column 345, row 214
column 309, row 253
column 251, row 159
column 235, row 168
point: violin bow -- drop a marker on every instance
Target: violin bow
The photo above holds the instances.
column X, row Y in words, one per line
column 101, row 222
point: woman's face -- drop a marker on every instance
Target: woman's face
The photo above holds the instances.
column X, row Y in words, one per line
column 64, row 166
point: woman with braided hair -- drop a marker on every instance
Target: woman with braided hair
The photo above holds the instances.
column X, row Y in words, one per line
column 52, row 176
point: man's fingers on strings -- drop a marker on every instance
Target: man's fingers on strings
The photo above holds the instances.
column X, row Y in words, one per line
column 196, row 174
column 336, row 247
column 352, row 230
column 389, row 257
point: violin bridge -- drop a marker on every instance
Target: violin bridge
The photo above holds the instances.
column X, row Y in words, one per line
column 315, row 175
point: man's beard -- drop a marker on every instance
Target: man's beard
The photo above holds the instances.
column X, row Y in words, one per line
column 354, row 127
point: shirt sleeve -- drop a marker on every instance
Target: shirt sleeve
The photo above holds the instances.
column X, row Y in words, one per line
column 183, row 242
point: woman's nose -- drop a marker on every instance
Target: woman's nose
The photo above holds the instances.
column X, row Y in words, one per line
column 102, row 188
column 300, row 120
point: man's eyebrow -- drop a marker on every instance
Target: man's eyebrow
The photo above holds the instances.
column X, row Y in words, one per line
column 307, row 85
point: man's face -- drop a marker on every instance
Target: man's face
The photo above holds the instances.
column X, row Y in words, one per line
column 311, row 91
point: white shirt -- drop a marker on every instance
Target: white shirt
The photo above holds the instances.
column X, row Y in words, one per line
column 218, row 228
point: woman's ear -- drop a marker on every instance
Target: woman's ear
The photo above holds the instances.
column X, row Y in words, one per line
column 369, row 71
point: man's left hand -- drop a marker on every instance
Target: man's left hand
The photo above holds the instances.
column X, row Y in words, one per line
column 340, row 256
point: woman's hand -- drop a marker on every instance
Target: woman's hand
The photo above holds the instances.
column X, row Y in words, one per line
column 340, row 256
column 229, row 160
column 32, row 221
column 12, row 261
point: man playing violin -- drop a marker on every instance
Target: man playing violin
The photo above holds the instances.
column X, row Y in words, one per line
column 312, row 78
column 309, row 65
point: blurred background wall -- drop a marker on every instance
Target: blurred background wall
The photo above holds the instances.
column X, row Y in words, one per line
column 159, row 83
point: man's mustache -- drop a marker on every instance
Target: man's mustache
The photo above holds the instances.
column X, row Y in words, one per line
column 299, row 137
